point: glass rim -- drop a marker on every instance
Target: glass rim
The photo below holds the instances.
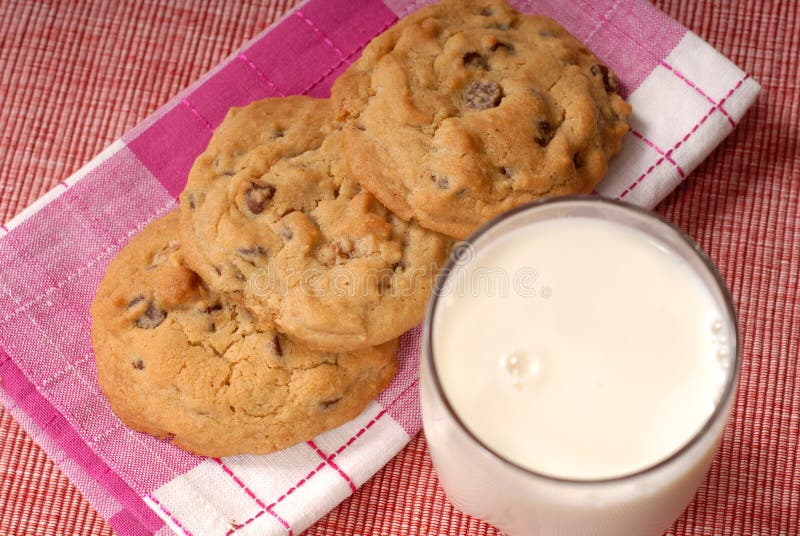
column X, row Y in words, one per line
column 732, row 371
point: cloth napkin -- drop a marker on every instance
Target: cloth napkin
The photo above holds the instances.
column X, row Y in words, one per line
column 686, row 98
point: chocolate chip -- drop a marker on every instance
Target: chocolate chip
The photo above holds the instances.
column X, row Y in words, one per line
column 609, row 80
column 138, row 364
column 385, row 280
column 545, row 128
column 399, row 266
column 212, row 326
column 443, row 183
column 286, row 233
column 151, row 318
column 190, row 197
column 251, row 252
column 277, row 134
column 227, row 172
column 482, row 94
column 486, row 12
column 544, row 133
column 504, row 46
column 577, row 160
column 505, row 172
column 216, row 269
column 137, row 299
column 473, row 60
column 276, row 346
column 384, row 285
column 257, row 196
column 328, row 404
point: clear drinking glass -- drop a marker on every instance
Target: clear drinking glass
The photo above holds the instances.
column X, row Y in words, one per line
column 519, row 501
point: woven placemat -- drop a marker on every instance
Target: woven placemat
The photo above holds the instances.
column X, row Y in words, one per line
column 77, row 75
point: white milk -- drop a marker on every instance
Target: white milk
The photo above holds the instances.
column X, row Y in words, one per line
column 586, row 353
column 606, row 362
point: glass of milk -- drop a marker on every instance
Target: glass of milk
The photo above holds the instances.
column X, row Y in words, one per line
column 579, row 365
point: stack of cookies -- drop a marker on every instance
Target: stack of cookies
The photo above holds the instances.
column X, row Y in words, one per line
column 267, row 308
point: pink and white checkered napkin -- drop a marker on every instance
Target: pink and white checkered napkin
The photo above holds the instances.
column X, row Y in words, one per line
column 686, row 98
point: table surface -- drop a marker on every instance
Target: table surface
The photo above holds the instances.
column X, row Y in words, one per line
column 75, row 75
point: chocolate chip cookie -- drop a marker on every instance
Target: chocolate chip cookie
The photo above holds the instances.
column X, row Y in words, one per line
column 277, row 224
column 178, row 361
column 466, row 109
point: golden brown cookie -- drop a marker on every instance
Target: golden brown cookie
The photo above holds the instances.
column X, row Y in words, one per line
column 466, row 109
column 278, row 225
column 176, row 360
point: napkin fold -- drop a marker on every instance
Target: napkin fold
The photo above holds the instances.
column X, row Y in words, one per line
column 686, row 99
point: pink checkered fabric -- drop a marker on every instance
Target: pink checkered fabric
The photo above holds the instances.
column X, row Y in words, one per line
column 686, row 97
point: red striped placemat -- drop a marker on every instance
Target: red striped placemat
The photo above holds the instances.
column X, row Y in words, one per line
column 741, row 206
